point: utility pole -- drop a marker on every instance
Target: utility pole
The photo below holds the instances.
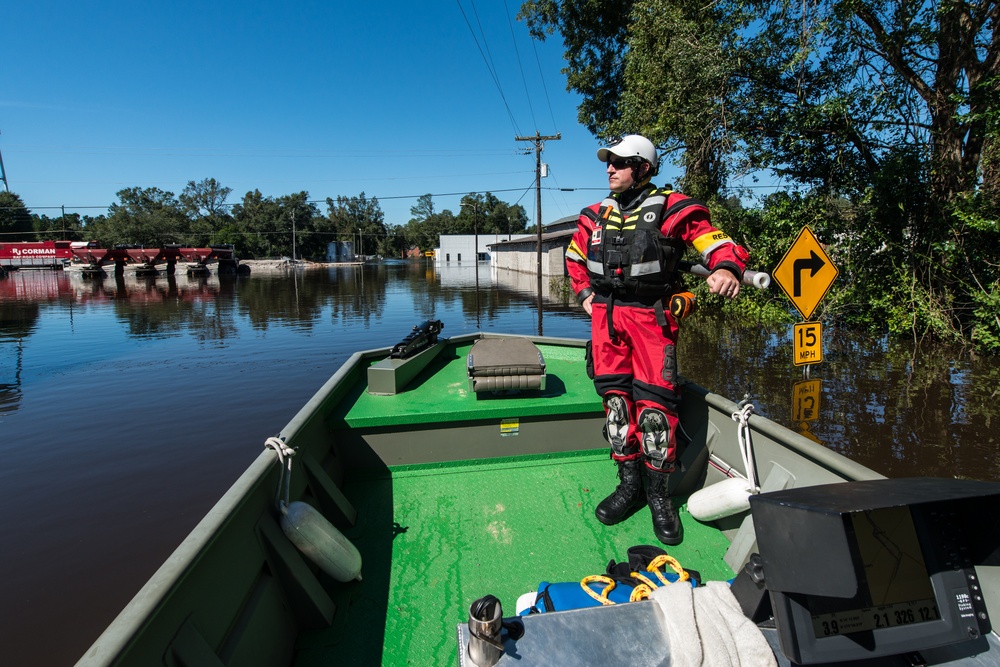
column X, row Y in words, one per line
column 538, row 140
column 475, row 231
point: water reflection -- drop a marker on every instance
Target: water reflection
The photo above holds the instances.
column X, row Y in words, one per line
column 11, row 364
column 17, row 322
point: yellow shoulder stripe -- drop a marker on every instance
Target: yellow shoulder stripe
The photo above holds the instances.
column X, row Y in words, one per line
column 706, row 241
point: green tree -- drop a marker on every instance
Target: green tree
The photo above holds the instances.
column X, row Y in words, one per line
column 206, row 198
column 15, row 219
column 827, row 90
column 423, row 209
column 360, row 219
column 422, row 230
column 489, row 215
column 68, row 226
column 205, row 204
column 257, row 225
column 676, row 88
column 823, row 91
column 144, row 216
column 298, row 217
column 884, row 110
column 653, row 67
column 893, row 104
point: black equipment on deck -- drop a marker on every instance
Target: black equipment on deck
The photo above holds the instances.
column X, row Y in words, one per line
column 877, row 568
column 423, row 335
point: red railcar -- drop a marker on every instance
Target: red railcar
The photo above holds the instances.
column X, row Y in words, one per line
column 37, row 254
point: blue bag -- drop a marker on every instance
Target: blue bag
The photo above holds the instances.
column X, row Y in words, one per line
column 623, row 582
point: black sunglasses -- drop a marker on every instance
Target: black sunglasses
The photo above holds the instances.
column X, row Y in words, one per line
column 621, row 162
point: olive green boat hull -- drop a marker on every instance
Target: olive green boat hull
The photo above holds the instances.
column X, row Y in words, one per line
column 429, row 478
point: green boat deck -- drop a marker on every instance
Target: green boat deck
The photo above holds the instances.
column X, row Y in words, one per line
column 434, row 538
column 444, row 394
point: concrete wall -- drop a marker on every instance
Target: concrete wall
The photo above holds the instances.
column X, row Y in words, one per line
column 522, row 255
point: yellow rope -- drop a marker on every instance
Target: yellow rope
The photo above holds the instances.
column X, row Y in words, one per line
column 658, row 562
column 644, row 580
column 598, row 578
column 641, row 591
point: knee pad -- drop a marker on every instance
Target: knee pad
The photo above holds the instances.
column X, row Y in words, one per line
column 654, row 436
column 616, row 427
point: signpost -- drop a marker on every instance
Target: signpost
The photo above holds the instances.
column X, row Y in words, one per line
column 805, row 274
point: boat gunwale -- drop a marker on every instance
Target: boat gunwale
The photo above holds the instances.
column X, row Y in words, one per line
column 820, row 454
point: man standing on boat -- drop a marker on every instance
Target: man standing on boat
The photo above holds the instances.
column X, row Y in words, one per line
column 623, row 265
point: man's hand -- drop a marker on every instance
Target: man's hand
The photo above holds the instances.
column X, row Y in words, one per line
column 587, row 304
column 723, row 282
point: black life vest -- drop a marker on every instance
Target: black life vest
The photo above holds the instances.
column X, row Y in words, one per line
column 627, row 255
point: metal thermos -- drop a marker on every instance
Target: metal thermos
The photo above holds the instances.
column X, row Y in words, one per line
column 485, row 624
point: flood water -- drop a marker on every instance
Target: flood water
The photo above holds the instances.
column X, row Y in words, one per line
column 128, row 406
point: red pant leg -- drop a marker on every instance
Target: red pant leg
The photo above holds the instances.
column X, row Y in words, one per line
column 640, row 363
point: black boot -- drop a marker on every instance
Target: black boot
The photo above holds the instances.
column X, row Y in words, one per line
column 626, row 498
column 666, row 523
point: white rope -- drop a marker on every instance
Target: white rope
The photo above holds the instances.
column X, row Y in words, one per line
column 285, row 454
column 742, row 418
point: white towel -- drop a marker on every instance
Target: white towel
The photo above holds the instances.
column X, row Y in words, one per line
column 706, row 628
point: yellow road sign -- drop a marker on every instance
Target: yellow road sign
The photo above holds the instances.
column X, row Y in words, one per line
column 805, row 273
column 807, row 343
column 805, row 400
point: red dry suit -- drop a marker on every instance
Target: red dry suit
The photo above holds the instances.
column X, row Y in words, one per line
column 626, row 255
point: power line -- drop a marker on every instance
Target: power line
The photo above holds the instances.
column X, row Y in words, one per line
column 489, row 66
column 545, row 88
column 322, row 201
column 520, row 67
column 204, row 151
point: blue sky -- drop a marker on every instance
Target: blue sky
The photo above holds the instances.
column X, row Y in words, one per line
column 393, row 99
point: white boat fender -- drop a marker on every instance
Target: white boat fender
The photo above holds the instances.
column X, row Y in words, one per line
column 730, row 496
column 726, row 498
column 320, row 541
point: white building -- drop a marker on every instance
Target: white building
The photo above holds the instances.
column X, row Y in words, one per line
column 457, row 249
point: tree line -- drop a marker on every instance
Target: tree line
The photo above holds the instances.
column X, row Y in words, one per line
column 881, row 116
column 259, row 226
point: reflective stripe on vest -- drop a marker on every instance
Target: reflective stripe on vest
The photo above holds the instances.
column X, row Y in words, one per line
column 630, row 252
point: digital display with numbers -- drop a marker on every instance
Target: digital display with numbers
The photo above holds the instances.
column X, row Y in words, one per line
column 872, row 618
column 898, row 589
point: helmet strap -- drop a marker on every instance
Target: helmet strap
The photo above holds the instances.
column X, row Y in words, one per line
column 646, row 176
column 629, row 199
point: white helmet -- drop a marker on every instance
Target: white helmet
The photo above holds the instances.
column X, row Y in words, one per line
column 631, row 145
